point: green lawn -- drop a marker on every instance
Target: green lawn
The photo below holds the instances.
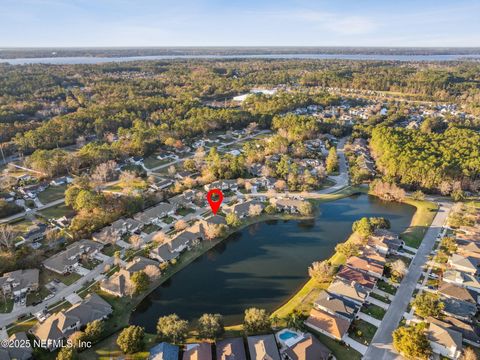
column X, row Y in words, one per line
column 6, row 304
column 374, row 311
column 426, row 211
column 52, row 193
column 110, row 249
column 384, row 286
column 37, row 295
column 57, row 211
column 46, row 276
column 185, row 211
column 152, row 162
column 340, row 351
column 168, row 220
column 362, row 331
column 150, row 229
column 380, row 297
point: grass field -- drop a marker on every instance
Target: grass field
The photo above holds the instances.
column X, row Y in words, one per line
column 374, row 311
column 152, row 162
column 362, row 331
column 52, row 193
column 426, row 211
column 6, row 304
column 57, row 211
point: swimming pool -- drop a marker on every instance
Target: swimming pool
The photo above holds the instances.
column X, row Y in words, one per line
column 287, row 334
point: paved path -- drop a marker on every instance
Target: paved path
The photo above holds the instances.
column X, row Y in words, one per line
column 354, row 344
column 341, row 180
column 381, row 347
column 6, row 319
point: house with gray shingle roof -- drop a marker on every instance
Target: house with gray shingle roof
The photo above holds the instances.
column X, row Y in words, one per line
column 66, row 260
column 444, row 341
column 164, row 351
column 19, row 281
column 62, row 324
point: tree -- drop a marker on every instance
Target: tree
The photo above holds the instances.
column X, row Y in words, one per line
column 412, row 342
column 130, row 339
column 140, row 281
column 321, row 271
column 152, row 271
column 232, row 219
column 418, row 195
column 7, row 236
column 280, row 185
column 213, row 231
column 136, row 241
column 160, row 237
column 104, row 172
column 305, row 208
column 347, row 249
column 398, row 269
column 190, row 165
column 428, row 304
column 331, row 163
column 256, row 321
column 254, row 210
column 67, row 353
column 77, row 338
column 363, row 227
column 210, row 326
column 94, row 330
column 469, row 354
column 172, row 328
column 180, row 225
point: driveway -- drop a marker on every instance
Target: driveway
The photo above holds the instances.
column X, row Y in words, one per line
column 381, row 347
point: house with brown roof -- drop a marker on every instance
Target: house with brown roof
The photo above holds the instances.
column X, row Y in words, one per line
column 466, row 264
column 453, row 291
column 462, row 279
column 444, row 341
column 309, row 348
column 353, row 292
column 366, row 265
column 330, row 325
column 66, row 260
column 469, row 248
column 352, row 275
column 231, row 349
column 385, row 241
column 470, row 333
column 200, row 351
column 263, row 347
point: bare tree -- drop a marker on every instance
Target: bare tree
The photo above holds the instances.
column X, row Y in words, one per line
column 152, row 271
column 280, row 185
column 160, row 237
column 251, row 127
column 398, row 268
column 321, row 271
column 254, row 210
column 180, row 225
column 7, row 236
column 213, row 231
column 136, row 241
column 248, row 186
column 172, row 170
column 469, row 354
column 104, row 172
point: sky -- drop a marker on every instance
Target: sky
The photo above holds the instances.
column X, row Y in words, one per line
column 76, row 23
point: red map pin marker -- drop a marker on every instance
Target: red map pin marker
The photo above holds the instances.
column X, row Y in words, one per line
column 215, row 204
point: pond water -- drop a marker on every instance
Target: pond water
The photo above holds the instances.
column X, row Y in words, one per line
column 262, row 265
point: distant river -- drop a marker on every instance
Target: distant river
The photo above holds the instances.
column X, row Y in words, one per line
column 262, row 265
column 100, row 60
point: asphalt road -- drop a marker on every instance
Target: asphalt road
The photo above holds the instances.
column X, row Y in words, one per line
column 381, row 347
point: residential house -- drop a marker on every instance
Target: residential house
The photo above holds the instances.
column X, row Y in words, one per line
column 462, row 279
column 351, row 275
column 164, row 351
column 154, row 214
column 65, row 261
column 200, row 351
column 163, row 253
column 336, row 305
column 14, row 351
column 330, row 325
column 180, row 201
column 163, row 184
column 222, row 185
column 444, row 341
column 61, row 181
column 470, row 332
column 291, row 206
column 353, row 292
column 466, row 264
column 242, row 209
column 31, row 191
column 453, row 291
column 366, row 265
column 119, row 284
column 469, row 248
column 59, row 326
column 35, row 233
column 459, row 309
column 263, row 347
column 385, row 241
column 19, row 282
column 308, row 348
column 231, row 349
